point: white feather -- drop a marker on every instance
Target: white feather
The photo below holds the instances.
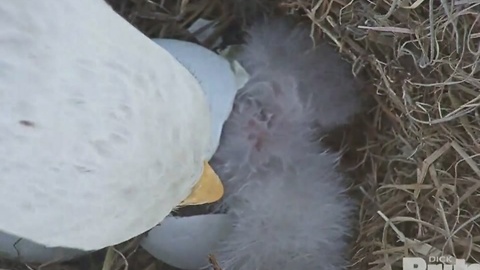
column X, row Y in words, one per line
column 102, row 132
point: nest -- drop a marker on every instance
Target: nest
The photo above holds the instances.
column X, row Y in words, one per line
column 420, row 151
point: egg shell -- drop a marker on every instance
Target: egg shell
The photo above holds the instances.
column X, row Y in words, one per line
column 186, row 242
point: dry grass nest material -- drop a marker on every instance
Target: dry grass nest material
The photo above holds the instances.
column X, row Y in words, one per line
column 422, row 152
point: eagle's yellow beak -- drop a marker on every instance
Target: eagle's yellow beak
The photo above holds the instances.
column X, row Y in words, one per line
column 208, row 189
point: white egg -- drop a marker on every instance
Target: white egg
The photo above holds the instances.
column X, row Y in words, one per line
column 186, row 242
